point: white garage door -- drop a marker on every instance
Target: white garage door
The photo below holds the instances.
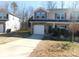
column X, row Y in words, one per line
column 1, row 28
column 38, row 29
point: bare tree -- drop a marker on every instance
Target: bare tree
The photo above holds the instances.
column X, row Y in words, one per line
column 30, row 11
column 51, row 4
column 62, row 4
column 74, row 4
column 26, row 19
column 6, row 5
column 24, row 16
column 14, row 7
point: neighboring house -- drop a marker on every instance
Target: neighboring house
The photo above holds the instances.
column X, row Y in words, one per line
column 43, row 20
column 8, row 22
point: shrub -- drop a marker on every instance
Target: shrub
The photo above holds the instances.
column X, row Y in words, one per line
column 66, row 46
column 8, row 30
column 24, row 30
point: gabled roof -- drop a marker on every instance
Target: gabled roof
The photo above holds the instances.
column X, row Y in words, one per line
column 3, row 10
column 41, row 8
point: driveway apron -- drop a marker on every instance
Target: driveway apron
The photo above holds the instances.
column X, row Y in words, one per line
column 20, row 47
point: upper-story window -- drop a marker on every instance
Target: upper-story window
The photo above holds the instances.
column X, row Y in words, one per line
column 6, row 16
column 40, row 14
column 60, row 16
column 3, row 16
column 74, row 16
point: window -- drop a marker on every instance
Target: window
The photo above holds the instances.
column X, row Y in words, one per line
column 37, row 16
column 40, row 14
column 43, row 16
column 74, row 15
column 1, row 15
column 6, row 16
column 60, row 16
column 78, row 17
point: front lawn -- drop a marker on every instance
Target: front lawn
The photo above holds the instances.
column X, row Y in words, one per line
column 8, row 37
column 50, row 48
column 20, row 33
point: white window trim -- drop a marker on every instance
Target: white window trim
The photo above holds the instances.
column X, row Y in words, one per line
column 60, row 16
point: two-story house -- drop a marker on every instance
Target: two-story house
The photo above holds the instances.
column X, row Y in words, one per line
column 44, row 19
column 8, row 21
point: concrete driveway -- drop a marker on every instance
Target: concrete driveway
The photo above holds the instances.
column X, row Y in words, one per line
column 19, row 48
column 36, row 36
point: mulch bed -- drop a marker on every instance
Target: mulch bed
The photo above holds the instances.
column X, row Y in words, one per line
column 49, row 48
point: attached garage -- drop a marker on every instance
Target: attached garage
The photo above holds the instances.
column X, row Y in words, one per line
column 1, row 28
column 38, row 29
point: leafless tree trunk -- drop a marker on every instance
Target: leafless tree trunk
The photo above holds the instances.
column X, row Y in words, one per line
column 30, row 11
column 73, row 37
column 62, row 4
column 14, row 7
column 6, row 5
column 51, row 4
column 74, row 5
column 24, row 16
